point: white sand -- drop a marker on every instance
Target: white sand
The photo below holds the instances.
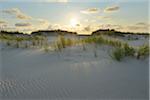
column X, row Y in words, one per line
column 72, row 74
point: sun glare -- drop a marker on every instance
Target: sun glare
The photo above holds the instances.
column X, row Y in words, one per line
column 74, row 22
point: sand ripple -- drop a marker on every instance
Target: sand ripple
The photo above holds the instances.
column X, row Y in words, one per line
column 18, row 89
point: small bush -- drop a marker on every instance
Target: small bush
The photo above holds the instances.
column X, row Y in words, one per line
column 143, row 51
column 101, row 40
column 129, row 51
column 118, row 54
column 63, row 42
column 69, row 42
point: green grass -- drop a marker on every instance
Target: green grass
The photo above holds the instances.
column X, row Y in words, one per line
column 143, row 51
column 122, row 49
column 63, row 42
column 20, row 41
column 128, row 50
column 118, row 54
column 101, row 40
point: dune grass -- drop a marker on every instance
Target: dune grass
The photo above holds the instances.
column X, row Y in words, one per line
column 19, row 41
column 126, row 51
column 122, row 49
column 62, row 42
column 101, row 40
column 118, row 54
column 143, row 51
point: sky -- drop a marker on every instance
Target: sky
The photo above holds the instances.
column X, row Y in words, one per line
column 73, row 15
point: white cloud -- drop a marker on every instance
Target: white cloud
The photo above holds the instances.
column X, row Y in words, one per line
column 40, row 24
column 103, row 17
column 111, row 26
column 90, row 11
column 2, row 22
column 142, row 24
column 31, row 24
column 111, row 9
column 135, row 27
column 23, row 24
column 17, row 13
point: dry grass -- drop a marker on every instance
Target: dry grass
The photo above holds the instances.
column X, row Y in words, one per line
column 143, row 51
column 122, row 49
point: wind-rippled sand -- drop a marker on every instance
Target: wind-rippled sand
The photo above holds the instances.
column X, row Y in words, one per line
column 72, row 74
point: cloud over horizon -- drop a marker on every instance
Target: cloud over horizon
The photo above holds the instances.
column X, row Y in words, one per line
column 142, row 24
column 103, row 17
column 2, row 22
column 29, row 23
column 135, row 27
column 23, row 24
column 17, row 13
column 139, row 26
column 111, row 9
column 90, row 11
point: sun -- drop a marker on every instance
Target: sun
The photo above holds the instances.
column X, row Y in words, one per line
column 74, row 22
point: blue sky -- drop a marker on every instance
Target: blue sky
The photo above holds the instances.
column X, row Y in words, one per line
column 73, row 0
column 74, row 15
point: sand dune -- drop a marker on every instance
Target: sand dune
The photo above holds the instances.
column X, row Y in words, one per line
column 71, row 74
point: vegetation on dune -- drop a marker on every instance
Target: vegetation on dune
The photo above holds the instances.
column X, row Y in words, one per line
column 101, row 40
column 63, row 42
column 118, row 54
column 53, row 32
column 113, row 32
column 143, row 51
column 22, row 41
column 122, row 49
column 128, row 50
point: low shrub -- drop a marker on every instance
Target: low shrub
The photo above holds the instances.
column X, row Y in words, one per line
column 143, row 51
column 63, row 42
column 118, row 54
column 128, row 50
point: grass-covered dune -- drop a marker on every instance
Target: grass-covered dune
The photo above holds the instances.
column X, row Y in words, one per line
column 113, row 32
column 40, row 40
column 53, row 32
column 73, row 66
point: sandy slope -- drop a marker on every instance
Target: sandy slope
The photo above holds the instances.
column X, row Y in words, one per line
column 71, row 74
